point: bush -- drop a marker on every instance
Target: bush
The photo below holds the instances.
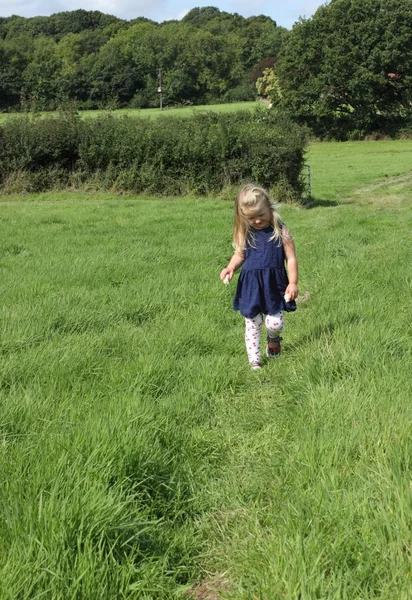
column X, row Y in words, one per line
column 33, row 143
column 243, row 92
column 169, row 155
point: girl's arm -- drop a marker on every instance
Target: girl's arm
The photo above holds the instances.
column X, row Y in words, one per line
column 236, row 261
column 292, row 267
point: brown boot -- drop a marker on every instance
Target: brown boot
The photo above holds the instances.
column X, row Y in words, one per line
column 273, row 347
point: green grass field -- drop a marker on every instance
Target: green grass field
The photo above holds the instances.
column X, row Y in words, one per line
column 339, row 168
column 153, row 113
column 142, row 459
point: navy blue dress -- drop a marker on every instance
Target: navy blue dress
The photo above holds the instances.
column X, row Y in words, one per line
column 263, row 280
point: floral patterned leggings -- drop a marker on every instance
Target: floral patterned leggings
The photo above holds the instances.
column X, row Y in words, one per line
column 274, row 325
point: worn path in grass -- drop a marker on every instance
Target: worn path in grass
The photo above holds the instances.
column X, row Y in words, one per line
column 338, row 168
column 139, row 453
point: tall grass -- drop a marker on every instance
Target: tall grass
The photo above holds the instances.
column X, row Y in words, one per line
column 140, row 456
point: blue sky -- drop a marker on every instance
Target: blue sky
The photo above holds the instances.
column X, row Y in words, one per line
column 284, row 12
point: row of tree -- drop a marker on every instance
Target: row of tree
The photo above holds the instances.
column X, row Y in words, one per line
column 98, row 60
column 347, row 70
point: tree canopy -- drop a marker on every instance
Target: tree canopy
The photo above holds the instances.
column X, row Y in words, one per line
column 349, row 67
column 96, row 60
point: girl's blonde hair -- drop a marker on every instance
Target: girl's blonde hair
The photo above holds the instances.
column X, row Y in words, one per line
column 252, row 196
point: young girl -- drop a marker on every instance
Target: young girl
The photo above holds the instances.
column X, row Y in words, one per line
column 262, row 244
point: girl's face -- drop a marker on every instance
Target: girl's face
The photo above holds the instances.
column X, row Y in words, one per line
column 258, row 217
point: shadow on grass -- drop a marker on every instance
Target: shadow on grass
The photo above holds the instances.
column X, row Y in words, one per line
column 313, row 202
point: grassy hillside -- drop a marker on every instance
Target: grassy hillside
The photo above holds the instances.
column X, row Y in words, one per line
column 154, row 113
column 141, row 458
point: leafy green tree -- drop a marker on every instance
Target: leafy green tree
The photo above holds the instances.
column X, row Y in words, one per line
column 15, row 56
column 258, row 37
column 80, row 20
column 96, row 59
column 57, row 25
column 112, row 74
column 10, row 79
column 261, row 38
column 268, row 86
column 197, row 65
column 348, row 67
column 201, row 17
column 41, row 76
column 15, row 26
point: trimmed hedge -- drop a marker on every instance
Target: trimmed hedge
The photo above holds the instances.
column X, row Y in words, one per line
column 169, row 155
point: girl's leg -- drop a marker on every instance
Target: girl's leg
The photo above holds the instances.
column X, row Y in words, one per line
column 274, row 325
column 252, row 339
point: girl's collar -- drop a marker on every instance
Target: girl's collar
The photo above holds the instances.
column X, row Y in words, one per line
column 265, row 229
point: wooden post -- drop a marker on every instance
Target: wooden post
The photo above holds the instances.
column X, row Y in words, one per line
column 159, row 88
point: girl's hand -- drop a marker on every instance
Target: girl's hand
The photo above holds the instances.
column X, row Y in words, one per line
column 226, row 272
column 292, row 291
